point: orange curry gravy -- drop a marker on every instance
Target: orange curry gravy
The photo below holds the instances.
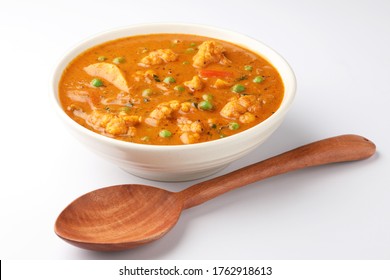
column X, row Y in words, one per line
column 169, row 89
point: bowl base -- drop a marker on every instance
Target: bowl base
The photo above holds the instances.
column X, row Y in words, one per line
column 174, row 176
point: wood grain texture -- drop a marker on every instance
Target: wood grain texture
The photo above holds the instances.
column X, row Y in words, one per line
column 122, row 216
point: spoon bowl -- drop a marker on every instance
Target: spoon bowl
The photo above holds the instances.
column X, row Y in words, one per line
column 125, row 216
column 119, row 217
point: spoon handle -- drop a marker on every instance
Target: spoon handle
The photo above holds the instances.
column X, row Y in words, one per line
column 331, row 150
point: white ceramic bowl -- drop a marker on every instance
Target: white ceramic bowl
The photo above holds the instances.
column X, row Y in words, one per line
column 179, row 162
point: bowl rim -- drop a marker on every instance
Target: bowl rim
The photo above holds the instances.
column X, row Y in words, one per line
column 85, row 44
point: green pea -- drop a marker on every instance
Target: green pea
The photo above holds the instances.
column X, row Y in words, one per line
column 118, row 60
column 97, row 82
column 205, row 105
column 258, row 79
column 102, row 58
column 169, row 80
column 234, row 126
column 192, row 44
column 179, row 88
column 248, row 68
column 238, row 88
column 165, row 133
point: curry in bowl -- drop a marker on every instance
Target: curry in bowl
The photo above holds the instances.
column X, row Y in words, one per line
column 169, row 89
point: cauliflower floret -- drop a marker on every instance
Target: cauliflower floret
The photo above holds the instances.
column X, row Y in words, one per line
column 116, row 126
column 233, row 109
column 174, row 105
column 184, row 124
column 247, row 100
column 187, row 125
column 159, row 57
column 209, row 52
column 189, row 138
column 251, row 103
column 219, row 83
column 196, row 127
column 194, row 84
column 163, row 111
column 242, row 108
column 98, row 118
column 190, row 130
column 185, row 107
column 111, row 123
column 247, row 117
column 131, row 120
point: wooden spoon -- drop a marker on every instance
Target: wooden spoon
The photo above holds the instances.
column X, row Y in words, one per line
column 125, row 216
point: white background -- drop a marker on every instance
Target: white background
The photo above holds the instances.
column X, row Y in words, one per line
column 340, row 51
